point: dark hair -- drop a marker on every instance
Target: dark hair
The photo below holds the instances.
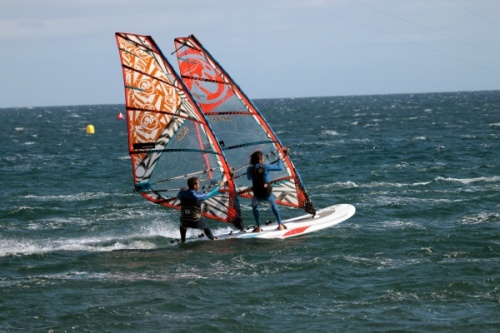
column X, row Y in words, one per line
column 255, row 157
column 191, row 181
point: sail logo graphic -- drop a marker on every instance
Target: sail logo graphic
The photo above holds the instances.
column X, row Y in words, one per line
column 182, row 133
column 221, row 118
column 205, row 84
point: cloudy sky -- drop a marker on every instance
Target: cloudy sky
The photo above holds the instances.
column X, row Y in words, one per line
column 63, row 52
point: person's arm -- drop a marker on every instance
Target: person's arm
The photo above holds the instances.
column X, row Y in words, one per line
column 205, row 196
column 214, row 192
column 274, row 167
column 249, row 173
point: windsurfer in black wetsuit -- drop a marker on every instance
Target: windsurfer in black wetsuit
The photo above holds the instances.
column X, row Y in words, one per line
column 191, row 201
column 258, row 173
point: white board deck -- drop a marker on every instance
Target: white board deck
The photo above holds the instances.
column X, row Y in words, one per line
column 324, row 218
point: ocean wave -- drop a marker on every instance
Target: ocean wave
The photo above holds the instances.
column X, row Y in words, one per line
column 22, row 210
column 17, row 247
column 492, row 179
column 330, row 132
column 83, row 196
column 363, row 140
column 480, row 218
column 400, row 224
column 351, row 184
column 379, row 262
column 399, row 200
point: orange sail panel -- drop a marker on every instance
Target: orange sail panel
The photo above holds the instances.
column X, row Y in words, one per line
column 239, row 127
column 169, row 138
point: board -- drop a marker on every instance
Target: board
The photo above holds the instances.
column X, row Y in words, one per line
column 301, row 225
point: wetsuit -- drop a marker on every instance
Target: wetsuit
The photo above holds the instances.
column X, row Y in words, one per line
column 191, row 201
column 259, row 175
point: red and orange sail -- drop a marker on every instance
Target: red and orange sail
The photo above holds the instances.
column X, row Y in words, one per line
column 237, row 124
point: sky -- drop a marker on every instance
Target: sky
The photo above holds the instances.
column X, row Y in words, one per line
column 63, row 52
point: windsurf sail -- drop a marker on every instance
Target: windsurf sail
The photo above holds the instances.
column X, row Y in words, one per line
column 238, row 125
column 169, row 138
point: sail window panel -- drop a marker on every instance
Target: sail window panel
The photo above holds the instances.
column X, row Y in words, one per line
column 231, row 103
column 172, row 172
column 228, row 130
column 239, row 159
column 184, row 157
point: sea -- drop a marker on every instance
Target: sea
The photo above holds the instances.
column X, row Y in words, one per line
column 80, row 251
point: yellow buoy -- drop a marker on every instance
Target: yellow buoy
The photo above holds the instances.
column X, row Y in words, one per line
column 90, row 129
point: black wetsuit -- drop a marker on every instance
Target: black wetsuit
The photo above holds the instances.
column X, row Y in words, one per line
column 191, row 201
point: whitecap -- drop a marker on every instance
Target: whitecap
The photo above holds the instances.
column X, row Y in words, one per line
column 71, row 197
column 361, row 140
column 21, row 209
column 479, row 218
column 347, row 184
column 469, row 180
column 387, row 184
column 398, row 224
column 329, row 132
column 10, row 247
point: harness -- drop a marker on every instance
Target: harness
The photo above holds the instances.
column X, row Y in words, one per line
column 190, row 209
column 261, row 188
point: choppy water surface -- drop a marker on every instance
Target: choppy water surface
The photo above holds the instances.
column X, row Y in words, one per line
column 79, row 251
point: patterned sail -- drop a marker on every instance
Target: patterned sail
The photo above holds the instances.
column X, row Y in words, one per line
column 169, row 139
column 237, row 124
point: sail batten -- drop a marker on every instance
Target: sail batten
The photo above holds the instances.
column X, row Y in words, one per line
column 186, row 77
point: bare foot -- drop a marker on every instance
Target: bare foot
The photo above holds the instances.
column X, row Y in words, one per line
column 281, row 227
column 257, row 229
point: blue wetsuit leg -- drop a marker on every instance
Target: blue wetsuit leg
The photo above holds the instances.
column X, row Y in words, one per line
column 274, row 208
column 255, row 211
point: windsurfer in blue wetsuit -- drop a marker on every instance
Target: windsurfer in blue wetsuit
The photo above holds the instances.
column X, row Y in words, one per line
column 191, row 201
column 258, row 173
